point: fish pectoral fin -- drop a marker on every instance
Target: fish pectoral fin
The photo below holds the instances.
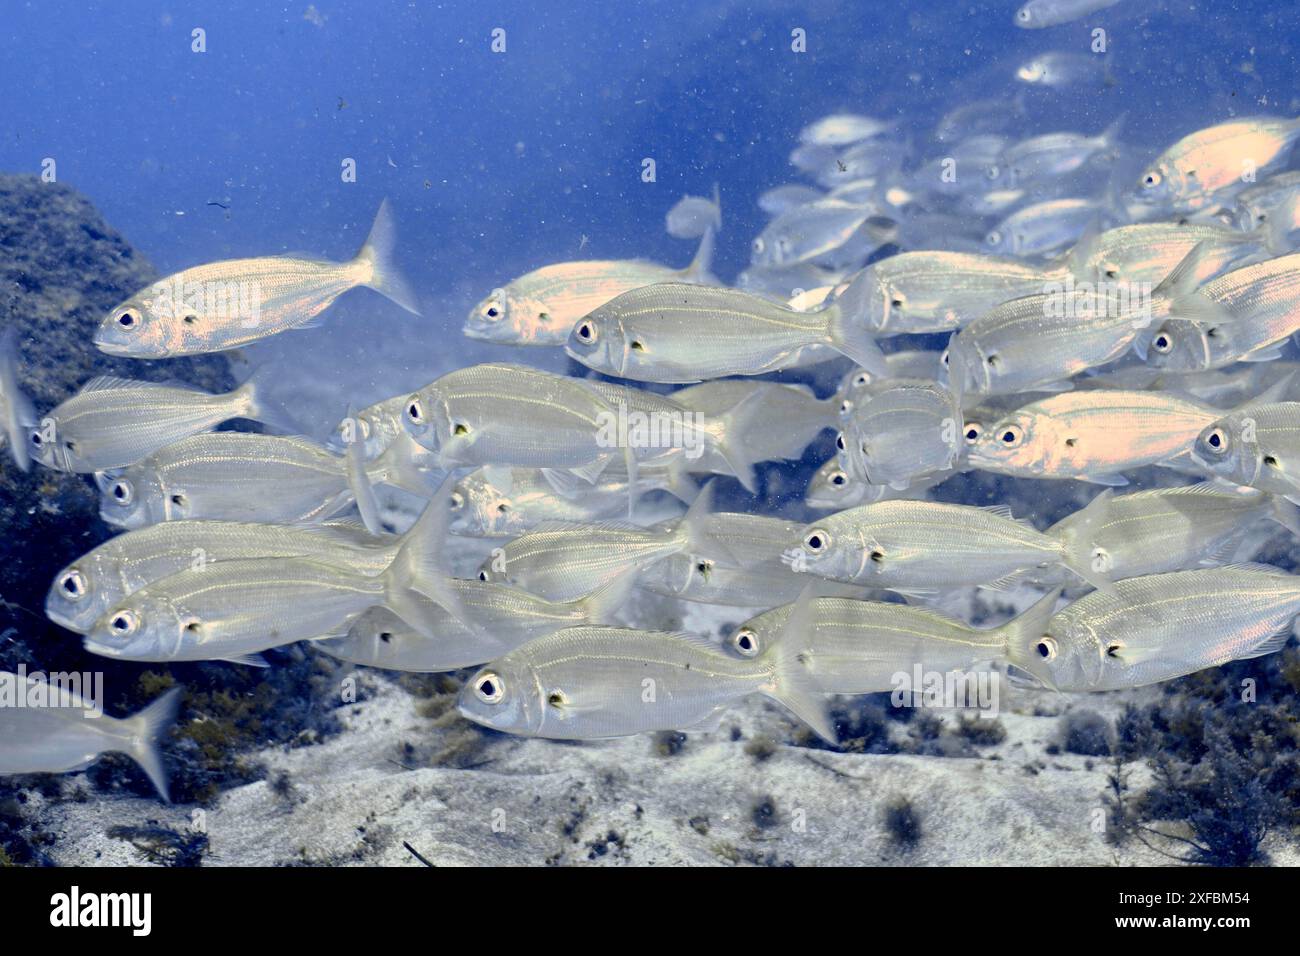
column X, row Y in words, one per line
column 709, row 725
column 250, row 660
column 1110, row 481
column 1006, row 582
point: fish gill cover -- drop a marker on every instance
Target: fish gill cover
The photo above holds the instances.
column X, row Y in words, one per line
column 940, row 450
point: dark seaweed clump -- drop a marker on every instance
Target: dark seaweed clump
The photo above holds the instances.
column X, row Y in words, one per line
column 1224, row 746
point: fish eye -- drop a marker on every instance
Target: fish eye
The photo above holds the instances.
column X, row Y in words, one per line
column 1046, row 648
column 73, row 585
column 993, row 238
column 122, row 492
column 861, row 379
column 488, row 688
column 1011, row 436
column 1162, row 343
column 456, row 501
column 846, row 406
column 37, row 439
column 124, row 622
column 128, row 319
column 586, row 332
column 745, row 641
column 816, row 541
column 973, row 432
column 1217, row 440
column 759, row 246
column 414, row 411
column 839, row 441
column 1151, row 180
column 839, row 479
column 491, row 309
column 1023, row 15
column 992, row 172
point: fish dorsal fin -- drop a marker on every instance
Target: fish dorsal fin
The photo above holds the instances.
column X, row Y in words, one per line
column 1258, row 568
column 564, row 483
column 1001, row 511
column 575, row 527
column 110, row 383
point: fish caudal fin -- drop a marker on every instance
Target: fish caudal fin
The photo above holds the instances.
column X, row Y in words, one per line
column 146, row 729
column 729, row 439
column 1078, row 552
column 602, row 605
column 255, row 404
column 849, row 335
column 1024, row 630
column 379, row 254
column 420, row 564
column 793, row 684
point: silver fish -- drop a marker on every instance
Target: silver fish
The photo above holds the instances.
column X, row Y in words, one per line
column 1254, row 310
column 780, row 199
column 223, row 305
column 904, row 430
column 1049, row 156
column 563, row 562
column 88, row 588
column 1273, row 203
column 16, row 412
column 704, row 581
column 1162, row 626
column 1037, row 14
column 1094, row 435
column 232, row 610
column 233, row 476
column 842, row 129
column 592, row 682
column 1202, row 166
column 502, row 619
column 541, row 307
column 1060, row 68
column 919, row 546
column 1258, row 445
column 1171, row 529
column 1149, row 251
column 806, row 232
column 113, row 422
column 861, row 647
column 56, row 730
column 658, row 334
column 938, row 291
column 1042, row 228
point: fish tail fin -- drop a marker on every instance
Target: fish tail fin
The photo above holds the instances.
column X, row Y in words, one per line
column 1077, row 550
column 420, row 564
column 849, row 335
column 379, row 255
column 1286, row 513
column 792, row 682
column 255, row 403
column 1279, row 391
column 1022, row 632
column 695, row 216
column 603, row 604
column 680, row 484
column 21, row 414
column 729, row 439
column 147, row 728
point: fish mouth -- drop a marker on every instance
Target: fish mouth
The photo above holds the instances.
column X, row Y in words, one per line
column 103, row 650
column 64, row 621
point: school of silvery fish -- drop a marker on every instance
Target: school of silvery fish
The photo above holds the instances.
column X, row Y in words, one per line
column 1087, row 338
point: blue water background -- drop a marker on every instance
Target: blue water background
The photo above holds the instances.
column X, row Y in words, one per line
column 497, row 163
